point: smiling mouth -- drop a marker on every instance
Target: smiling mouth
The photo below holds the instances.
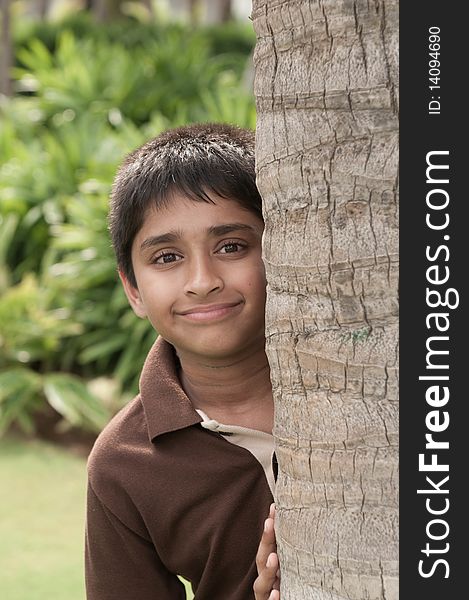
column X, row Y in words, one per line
column 211, row 313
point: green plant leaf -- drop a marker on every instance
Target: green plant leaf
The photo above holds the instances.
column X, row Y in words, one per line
column 19, row 389
column 70, row 397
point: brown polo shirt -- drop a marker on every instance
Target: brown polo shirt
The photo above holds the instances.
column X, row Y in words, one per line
column 168, row 496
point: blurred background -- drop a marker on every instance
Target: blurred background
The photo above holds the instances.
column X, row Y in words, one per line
column 82, row 83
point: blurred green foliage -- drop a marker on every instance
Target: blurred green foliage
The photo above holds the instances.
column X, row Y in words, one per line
column 86, row 96
column 232, row 38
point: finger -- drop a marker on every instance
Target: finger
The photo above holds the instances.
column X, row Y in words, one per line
column 272, row 563
column 272, row 510
column 274, row 595
column 267, row 544
column 267, row 578
column 276, row 585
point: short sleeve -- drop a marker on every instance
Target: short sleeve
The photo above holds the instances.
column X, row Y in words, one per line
column 120, row 564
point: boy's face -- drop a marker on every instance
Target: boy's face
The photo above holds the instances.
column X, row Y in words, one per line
column 200, row 277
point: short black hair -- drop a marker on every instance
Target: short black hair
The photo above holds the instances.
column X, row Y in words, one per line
column 194, row 160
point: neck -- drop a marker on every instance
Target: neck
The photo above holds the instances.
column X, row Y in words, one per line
column 236, row 392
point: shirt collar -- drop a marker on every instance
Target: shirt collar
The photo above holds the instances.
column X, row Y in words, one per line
column 166, row 406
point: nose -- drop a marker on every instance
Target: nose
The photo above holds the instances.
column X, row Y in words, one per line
column 202, row 277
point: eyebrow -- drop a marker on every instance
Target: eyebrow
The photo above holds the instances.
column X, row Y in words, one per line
column 154, row 240
column 214, row 230
column 229, row 228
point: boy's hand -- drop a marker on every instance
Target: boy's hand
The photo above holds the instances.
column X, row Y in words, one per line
column 267, row 584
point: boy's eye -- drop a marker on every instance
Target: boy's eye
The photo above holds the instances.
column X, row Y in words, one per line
column 166, row 258
column 230, row 248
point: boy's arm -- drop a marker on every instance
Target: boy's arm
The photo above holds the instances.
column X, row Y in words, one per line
column 267, row 584
column 119, row 563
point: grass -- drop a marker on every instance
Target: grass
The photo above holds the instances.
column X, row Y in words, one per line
column 42, row 508
column 42, row 514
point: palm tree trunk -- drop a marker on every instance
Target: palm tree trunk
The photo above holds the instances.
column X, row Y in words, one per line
column 217, row 11
column 6, row 52
column 106, row 10
column 326, row 154
column 43, row 7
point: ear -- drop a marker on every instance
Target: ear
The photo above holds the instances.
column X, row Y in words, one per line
column 133, row 296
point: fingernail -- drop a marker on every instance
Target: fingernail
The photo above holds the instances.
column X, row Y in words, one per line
column 266, row 524
column 269, row 560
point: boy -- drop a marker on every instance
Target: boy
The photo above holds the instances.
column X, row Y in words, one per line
column 181, row 479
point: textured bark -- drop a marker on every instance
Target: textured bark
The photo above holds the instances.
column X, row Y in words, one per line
column 326, row 89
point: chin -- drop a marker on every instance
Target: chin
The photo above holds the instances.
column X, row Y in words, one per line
column 214, row 351
column 206, row 346
column 218, row 345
